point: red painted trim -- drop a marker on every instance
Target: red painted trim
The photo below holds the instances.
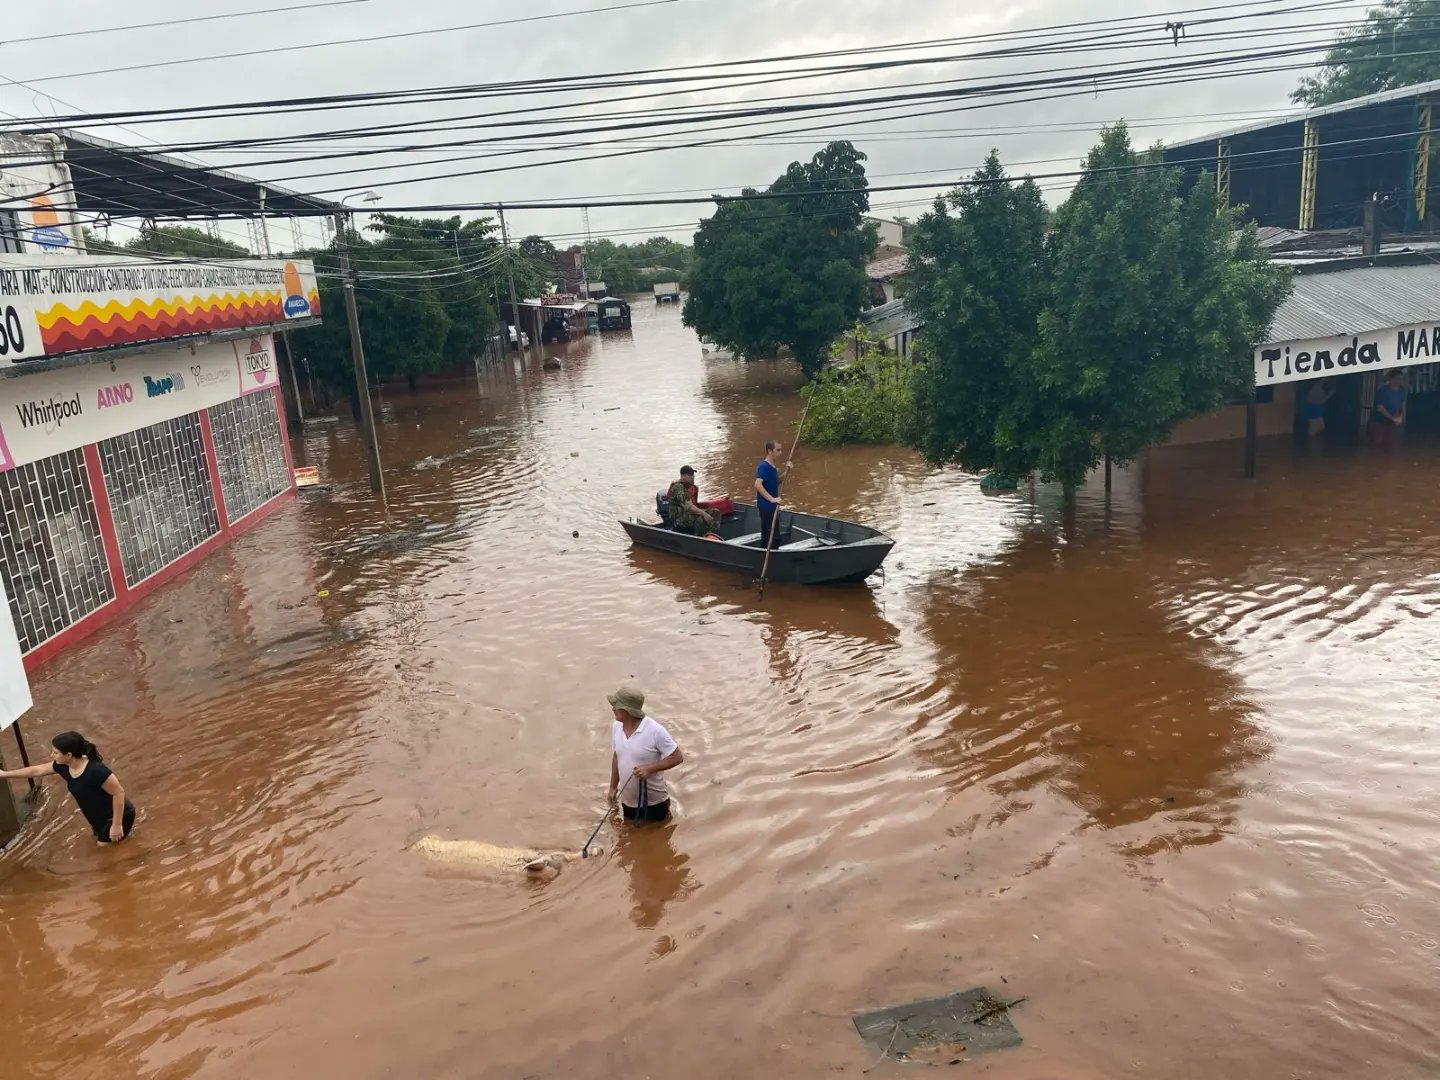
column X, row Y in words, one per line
column 261, row 511
column 47, row 650
column 127, row 596
column 212, row 464
column 109, row 539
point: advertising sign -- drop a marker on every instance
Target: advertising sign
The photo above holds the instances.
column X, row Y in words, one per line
column 49, row 307
column 14, row 686
column 49, row 412
column 1293, row 361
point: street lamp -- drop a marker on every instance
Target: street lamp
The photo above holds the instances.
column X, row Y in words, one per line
column 369, row 194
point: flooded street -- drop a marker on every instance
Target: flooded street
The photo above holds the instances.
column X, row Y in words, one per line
column 1165, row 764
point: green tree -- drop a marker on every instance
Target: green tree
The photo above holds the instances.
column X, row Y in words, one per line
column 1397, row 45
column 864, row 398
column 786, row 271
column 1156, row 302
column 404, row 322
column 979, row 276
column 454, row 263
column 184, row 241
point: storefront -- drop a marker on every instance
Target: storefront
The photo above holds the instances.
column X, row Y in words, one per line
column 114, row 477
column 1346, row 324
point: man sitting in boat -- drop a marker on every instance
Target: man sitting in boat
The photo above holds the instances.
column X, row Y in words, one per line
column 686, row 512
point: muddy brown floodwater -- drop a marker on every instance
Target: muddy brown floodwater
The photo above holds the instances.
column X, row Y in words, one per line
column 1166, row 765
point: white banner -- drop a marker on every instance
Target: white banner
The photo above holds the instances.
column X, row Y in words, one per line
column 49, row 307
column 50, row 412
column 1293, row 361
column 14, row 686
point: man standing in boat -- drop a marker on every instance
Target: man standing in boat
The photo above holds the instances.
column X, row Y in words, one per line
column 767, row 490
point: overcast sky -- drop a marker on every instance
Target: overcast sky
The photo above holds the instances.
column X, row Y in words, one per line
column 1051, row 135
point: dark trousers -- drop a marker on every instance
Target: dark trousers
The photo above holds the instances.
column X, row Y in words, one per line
column 766, row 518
column 654, row 812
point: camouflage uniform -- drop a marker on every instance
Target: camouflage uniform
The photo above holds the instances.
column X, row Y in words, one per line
column 678, row 498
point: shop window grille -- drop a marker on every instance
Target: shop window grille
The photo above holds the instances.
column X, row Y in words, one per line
column 249, row 452
column 52, row 558
column 160, row 495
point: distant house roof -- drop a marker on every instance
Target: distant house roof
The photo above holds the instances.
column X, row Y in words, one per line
column 1357, row 300
column 890, row 320
column 888, row 268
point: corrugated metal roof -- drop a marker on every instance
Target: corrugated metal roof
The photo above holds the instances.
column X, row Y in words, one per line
column 1385, row 96
column 889, row 320
column 1338, row 303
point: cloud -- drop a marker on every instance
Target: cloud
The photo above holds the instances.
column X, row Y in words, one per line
column 1053, row 135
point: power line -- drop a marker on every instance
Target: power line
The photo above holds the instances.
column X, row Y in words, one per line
column 169, row 24
column 356, row 41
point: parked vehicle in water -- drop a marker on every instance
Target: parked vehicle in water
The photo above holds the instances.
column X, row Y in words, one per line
column 613, row 312
column 667, row 292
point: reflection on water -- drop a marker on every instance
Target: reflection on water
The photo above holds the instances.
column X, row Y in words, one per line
column 657, row 873
column 1161, row 760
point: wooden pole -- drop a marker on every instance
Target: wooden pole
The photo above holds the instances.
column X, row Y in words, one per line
column 357, row 356
column 1107, row 472
column 775, row 521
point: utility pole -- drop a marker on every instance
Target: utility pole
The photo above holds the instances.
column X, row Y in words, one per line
column 510, row 271
column 585, row 256
column 357, row 354
column 284, row 334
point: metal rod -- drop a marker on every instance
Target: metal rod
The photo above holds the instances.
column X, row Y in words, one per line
column 24, row 754
column 357, row 354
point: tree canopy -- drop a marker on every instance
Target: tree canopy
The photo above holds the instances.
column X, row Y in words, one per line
column 788, row 270
column 423, row 298
column 171, row 241
column 979, row 274
column 1397, row 45
column 1139, row 310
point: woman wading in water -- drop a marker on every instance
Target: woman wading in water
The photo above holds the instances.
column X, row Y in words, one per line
column 96, row 789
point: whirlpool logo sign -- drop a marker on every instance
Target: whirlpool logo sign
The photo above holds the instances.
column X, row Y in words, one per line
column 49, row 413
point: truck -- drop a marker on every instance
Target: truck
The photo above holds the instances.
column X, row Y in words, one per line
column 667, row 292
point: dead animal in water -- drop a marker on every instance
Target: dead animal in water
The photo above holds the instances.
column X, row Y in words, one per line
column 506, row 860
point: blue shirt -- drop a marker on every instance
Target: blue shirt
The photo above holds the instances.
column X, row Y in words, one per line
column 769, row 478
column 1392, row 399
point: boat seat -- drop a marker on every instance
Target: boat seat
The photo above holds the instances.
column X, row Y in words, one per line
column 748, row 540
column 804, row 545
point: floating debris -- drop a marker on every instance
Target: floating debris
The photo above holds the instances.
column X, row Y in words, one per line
column 940, row 1030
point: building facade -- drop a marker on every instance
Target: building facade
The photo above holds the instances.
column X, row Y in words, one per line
column 141, row 423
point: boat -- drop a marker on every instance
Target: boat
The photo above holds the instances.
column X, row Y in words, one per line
column 809, row 549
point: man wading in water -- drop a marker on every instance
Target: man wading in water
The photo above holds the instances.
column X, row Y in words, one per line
column 642, row 751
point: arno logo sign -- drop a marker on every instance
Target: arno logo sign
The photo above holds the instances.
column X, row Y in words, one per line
column 107, row 397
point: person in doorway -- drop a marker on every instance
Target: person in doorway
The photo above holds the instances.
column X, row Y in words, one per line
column 642, row 751
column 96, row 789
column 687, row 513
column 767, row 490
column 1316, row 398
column 1389, row 411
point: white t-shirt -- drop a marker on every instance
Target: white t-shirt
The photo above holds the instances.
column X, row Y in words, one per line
column 649, row 744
